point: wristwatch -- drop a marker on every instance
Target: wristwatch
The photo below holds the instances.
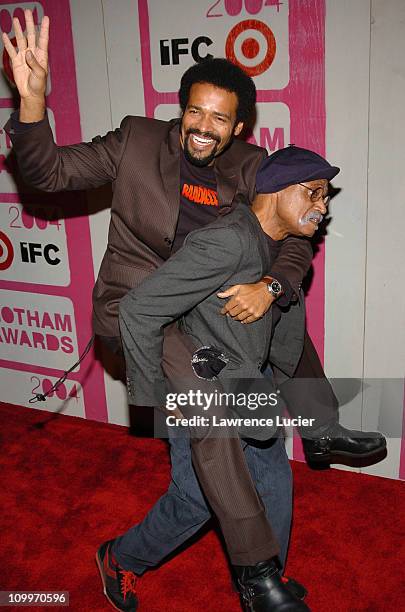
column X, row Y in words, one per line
column 273, row 286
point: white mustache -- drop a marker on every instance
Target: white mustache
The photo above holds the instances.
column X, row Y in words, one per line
column 312, row 216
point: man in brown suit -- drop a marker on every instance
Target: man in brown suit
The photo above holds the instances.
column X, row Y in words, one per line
column 143, row 159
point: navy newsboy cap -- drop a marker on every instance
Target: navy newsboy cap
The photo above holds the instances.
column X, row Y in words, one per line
column 290, row 166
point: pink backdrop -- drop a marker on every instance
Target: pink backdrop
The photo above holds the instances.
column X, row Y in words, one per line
column 45, row 363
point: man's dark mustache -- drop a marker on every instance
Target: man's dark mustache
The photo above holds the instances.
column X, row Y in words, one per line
column 203, row 134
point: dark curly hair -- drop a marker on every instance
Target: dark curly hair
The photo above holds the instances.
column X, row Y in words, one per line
column 222, row 73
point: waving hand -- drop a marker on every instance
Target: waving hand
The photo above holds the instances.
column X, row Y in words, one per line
column 30, row 60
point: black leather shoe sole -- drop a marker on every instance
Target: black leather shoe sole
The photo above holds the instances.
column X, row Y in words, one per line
column 323, row 461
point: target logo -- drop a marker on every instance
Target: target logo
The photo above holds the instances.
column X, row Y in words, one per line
column 251, row 45
column 6, row 252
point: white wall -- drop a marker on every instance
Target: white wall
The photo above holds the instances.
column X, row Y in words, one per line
column 365, row 298
column 384, row 347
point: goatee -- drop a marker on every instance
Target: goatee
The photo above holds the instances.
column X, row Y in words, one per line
column 194, row 159
column 199, row 161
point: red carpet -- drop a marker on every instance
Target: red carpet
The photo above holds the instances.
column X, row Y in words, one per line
column 71, row 484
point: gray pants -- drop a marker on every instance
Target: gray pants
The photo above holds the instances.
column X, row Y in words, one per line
column 182, row 511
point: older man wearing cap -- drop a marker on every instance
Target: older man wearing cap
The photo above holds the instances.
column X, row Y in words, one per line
column 292, row 198
column 283, row 178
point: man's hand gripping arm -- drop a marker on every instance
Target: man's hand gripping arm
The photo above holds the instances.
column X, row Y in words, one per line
column 250, row 302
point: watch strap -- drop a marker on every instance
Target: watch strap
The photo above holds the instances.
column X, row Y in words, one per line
column 269, row 280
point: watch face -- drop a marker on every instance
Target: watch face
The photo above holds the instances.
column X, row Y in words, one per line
column 275, row 287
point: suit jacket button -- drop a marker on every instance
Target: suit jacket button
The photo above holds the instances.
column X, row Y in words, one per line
column 168, row 241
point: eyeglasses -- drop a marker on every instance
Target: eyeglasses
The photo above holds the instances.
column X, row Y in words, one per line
column 317, row 194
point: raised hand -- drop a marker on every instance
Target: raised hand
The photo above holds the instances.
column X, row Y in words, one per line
column 30, row 60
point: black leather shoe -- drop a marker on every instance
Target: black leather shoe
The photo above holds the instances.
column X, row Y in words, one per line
column 339, row 442
column 296, row 588
column 262, row 589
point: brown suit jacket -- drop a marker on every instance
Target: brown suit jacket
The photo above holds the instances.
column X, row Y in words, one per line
column 142, row 160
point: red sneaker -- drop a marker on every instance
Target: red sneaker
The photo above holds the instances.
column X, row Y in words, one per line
column 119, row 584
